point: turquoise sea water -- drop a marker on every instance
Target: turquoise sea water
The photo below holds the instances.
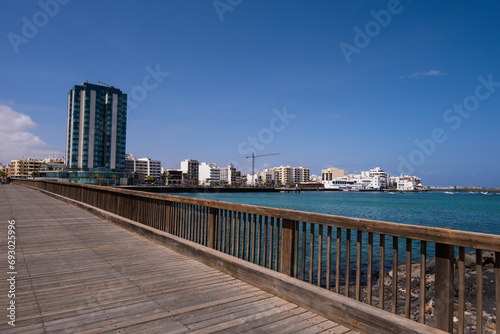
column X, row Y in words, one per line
column 461, row 211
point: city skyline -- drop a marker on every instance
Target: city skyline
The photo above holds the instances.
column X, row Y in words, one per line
column 409, row 86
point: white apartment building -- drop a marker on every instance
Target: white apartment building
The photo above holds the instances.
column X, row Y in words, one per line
column 230, row 175
column 288, row 175
column 406, row 182
column 265, row 177
column 143, row 166
column 209, row 173
column 191, row 168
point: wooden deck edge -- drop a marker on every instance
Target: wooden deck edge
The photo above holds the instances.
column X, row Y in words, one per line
column 335, row 307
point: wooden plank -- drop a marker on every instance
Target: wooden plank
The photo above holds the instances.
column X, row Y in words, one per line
column 320, row 253
column 296, row 247
column 369, row 270
column 228, row 317
column 423, row 261
column 461, row 290
column 394, row 301
column 265, row 226
column 258, row 236
column 303, row 255
column 271, row 244
column 479, row 290
column 408, row 279
column 497, row 285
column 328, row 257
column 347, row 262
column 260, row 324
column 338, row 258
column 311, row 252
column 277, row 254
column 358, row 264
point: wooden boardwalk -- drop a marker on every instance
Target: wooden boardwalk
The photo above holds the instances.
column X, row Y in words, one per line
column 76, row 273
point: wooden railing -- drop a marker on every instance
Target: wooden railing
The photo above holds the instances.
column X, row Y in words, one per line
column 367, row 260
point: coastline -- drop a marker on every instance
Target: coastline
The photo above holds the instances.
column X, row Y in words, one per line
column 176, row 189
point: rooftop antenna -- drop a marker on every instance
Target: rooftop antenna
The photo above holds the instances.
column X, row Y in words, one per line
column 253, row 156
column 105, row 84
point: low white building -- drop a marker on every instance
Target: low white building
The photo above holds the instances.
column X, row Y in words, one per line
column 406, row 182
column 209, row 173
column 265, row 177
column 229, row 175
column 374, row 179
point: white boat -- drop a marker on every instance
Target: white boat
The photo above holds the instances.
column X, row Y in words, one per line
column 485, row 193
column 449, row 193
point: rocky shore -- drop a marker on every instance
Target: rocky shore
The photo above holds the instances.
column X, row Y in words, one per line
column 489, row 303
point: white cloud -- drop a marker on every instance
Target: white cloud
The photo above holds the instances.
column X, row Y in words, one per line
column 431, row 73
column 16, row 141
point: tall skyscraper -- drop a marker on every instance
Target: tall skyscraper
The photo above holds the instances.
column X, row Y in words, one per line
column 96, row 130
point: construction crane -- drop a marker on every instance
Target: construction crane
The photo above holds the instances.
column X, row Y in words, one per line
column 253, row 156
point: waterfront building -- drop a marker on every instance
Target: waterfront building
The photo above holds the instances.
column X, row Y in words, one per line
column 230, row 176
column 289, row 176
column 300, row 175
column 96, row 136
column 173, row 176
column 331, row 173
column 144, row 167
column 266, row 177
column 374, row 179
column 285, row 177
column 24, row 168
column 51, row 165
column 96, row 128
column 379, row 179
column 209, row 174
column 190, row 168
column 406, row 182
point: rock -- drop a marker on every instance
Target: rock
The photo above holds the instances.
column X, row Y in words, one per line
column 488, row 258
column 470, row 259
column 430, row 266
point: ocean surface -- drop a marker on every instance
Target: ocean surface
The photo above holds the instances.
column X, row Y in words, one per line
column 462, row 211
column 474, row 212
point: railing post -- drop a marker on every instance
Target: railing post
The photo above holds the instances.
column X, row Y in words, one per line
column 287, row 243
column 497, row 283
column 212, row 227
column 444, row 287
column 168, row 216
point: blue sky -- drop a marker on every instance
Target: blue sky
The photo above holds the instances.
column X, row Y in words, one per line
column 410, row 86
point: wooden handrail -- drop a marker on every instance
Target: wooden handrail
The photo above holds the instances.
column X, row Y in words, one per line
column 288, row 241
column 424, row 233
